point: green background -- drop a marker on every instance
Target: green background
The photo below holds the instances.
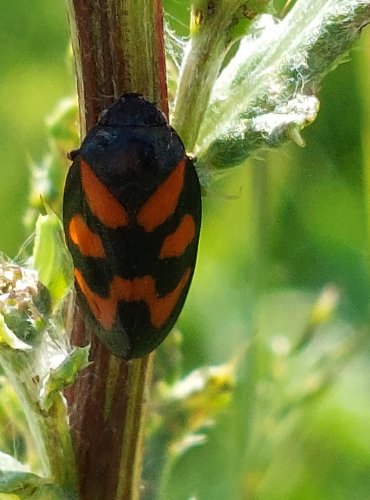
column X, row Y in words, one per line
column 275, row 233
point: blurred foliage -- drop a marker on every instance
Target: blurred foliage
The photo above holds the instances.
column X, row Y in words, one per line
column 34, row 76
column 283, row 275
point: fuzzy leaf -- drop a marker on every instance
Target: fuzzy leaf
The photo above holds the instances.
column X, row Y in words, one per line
column 280, row 64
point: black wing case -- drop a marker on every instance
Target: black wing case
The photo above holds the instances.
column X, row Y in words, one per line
column 132, row 279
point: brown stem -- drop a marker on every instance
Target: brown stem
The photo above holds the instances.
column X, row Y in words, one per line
column 118, row 47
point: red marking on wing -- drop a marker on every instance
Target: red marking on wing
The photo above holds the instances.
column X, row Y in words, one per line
column 163, row 201
column 136, row 290
column 161, row 308
column 103, row 309
column 177, row 242
column 102, row 203
column 88, row 242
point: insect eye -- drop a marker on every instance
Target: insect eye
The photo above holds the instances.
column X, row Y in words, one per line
column 71, row 155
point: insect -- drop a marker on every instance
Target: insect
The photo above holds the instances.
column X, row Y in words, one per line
column 132, row 214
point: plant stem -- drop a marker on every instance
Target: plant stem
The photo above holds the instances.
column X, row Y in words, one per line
column 254, row 369
column 49, row 429
column 58, row 445
column 364, row 59
column 118, row 47
column 211, row 31
column 255, row 366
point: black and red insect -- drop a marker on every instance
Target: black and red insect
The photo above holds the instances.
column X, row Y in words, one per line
column 132, row 213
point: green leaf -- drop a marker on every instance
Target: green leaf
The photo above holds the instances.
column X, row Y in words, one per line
column 51, row 258
column 8, row 338
column 19, row 482
column 63, row 375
